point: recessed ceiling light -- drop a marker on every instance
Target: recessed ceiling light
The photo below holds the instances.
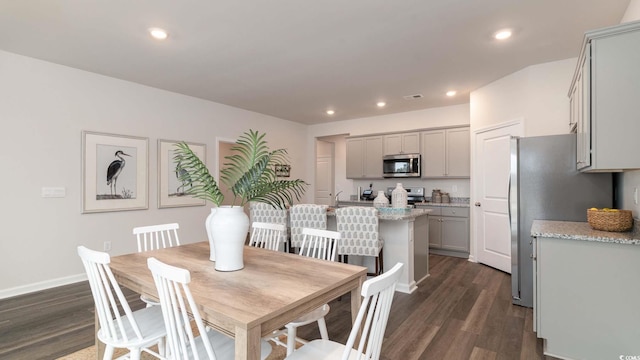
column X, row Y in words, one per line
column 158, row 33
column 502, row 34
column 451, row 93
column 381, row 104
column 330, row 112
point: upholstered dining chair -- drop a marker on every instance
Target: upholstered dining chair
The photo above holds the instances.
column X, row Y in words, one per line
column 302, row 216
column 267, row 236
column 369, row 326
column 323, row 245
column 265, row 213
column 178, row 310
column 358, row 226
column 119, row 326
column 155, row 237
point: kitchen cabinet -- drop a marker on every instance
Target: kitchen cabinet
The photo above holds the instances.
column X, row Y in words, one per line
column 448, row 230
column 402, row 143
column 604, row 97
column 364, row 157
column 586, row 297
column 446, row 153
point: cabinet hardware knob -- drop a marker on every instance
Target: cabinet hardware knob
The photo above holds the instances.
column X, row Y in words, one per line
column 477, row 204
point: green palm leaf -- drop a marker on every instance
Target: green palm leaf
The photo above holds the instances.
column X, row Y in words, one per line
column 249, row 173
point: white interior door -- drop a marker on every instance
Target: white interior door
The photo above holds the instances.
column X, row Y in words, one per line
column 491, row 184
column 324, row 181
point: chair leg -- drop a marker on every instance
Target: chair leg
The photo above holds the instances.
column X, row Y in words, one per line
column 291, row 340
column 380, row 270
column 322, row 325
column 108, row 352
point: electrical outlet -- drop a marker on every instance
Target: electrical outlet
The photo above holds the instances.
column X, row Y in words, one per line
column 635, row 195
column 107, row 246
column 454, row 188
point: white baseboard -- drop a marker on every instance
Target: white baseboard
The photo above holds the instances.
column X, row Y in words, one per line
column 43, row 285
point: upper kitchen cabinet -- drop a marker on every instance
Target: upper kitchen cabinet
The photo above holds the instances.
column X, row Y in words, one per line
column 404, row 143
column 364, row 157
column 604, row 97
column 446, row 153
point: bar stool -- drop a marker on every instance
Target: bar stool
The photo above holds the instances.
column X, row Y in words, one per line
column 358, row 226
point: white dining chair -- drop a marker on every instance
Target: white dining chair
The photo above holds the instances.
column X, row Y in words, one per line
column 319, row 244
column 267, row 235
column 265, row 213
column 178, row 309
column 155, row 237
column 119, row 326
column 306, row 216
column 358, row 226
column 370, row 324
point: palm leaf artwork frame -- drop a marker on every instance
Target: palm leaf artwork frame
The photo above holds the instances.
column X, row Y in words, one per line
column 249, row 172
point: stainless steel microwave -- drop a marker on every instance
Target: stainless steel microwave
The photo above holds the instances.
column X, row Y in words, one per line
column 401, row 165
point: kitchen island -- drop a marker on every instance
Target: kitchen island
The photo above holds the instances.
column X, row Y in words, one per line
column 406, row 240
column 586, row 290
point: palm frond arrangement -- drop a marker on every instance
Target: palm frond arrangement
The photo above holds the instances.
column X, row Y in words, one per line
column 249, row 172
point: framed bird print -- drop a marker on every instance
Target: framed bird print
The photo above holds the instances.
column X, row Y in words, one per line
column 114, row 172
column 171, row 191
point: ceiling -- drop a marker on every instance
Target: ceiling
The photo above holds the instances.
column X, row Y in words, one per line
column 294, row 59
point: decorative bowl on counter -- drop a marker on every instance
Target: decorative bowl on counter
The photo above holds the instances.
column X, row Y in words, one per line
column 610, row 219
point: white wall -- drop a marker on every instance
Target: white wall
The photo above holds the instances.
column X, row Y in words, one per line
column 629, row 180
column 44, row 107
column 537, row 93
column 407, row 121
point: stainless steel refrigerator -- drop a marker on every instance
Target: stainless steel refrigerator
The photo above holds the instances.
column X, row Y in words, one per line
column 544, row 185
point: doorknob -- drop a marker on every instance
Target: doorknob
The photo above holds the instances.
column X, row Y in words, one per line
column 477, row 204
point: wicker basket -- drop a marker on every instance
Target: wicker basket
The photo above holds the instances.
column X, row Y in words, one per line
column 620, row 220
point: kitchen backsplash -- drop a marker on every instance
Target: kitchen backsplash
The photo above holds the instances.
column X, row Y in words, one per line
column 459, row 188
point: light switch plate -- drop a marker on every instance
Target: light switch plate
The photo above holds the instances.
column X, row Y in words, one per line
column 54, row 192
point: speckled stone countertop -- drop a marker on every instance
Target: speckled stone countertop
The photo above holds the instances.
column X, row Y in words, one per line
column 394, row 214
column 582, row 231
column 451, row 204
column 455, row 202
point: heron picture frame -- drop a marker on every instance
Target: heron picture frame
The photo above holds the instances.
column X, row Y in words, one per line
column 171, row 192
column 114, row 172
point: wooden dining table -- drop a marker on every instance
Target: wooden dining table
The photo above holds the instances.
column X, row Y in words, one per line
column 272, row 289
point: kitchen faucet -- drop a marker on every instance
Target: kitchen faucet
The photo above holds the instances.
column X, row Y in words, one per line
column 337, row 198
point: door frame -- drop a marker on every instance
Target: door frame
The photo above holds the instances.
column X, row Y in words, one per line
column 520, row 122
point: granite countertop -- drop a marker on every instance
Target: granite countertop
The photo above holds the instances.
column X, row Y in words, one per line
column 451, row 204
column 398, row 214
column 455, row 202
column 583, row 231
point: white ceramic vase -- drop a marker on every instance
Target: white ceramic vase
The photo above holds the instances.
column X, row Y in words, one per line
column 380, row 200
column 207, row 225
column 399, row 197
column 228, row 227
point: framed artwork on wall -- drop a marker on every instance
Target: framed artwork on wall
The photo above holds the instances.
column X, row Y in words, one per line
column 283, row 170
column 114, row 172
column 171, row 191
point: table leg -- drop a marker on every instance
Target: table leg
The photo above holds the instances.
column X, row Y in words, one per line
column 248, row 343
column 356, row 302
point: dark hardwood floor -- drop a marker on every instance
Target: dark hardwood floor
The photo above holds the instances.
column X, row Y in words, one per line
column 462, row 311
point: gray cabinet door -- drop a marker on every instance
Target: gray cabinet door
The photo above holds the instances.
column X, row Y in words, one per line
column 355, row 158
column 455, row 233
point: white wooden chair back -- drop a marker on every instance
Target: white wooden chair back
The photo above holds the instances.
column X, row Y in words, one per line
column 320, row 244
column 306, row 216
column 157, row 236
column 377, row 296
column 177, row 304
column 111, row 305
column 267, row 235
